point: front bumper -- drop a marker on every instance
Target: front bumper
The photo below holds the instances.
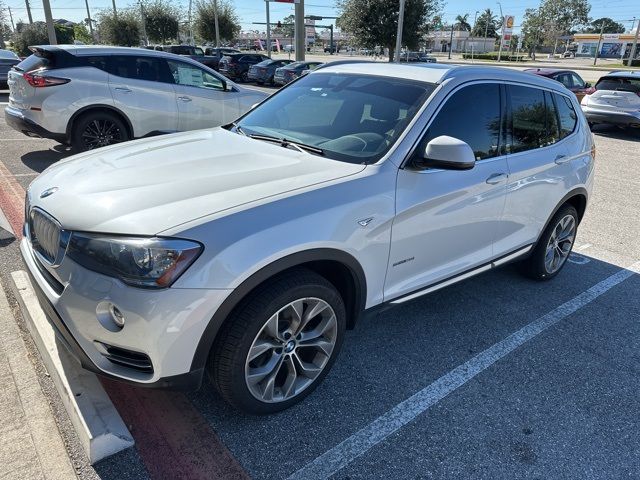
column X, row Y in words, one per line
column 165, row 325
column 625, row 119
column 16, row 120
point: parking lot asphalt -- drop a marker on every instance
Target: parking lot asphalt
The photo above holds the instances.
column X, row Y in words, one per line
column 440, row 387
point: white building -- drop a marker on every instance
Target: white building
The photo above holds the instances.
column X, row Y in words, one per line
column 461, row 41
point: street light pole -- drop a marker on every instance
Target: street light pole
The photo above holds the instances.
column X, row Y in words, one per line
column 399, row 34
column 86, row 2
column 215, row 22
column 501, row 31
column 595, row 57
column 300, row 32
column 49, row 19
column 632, row 53
column 268, row 31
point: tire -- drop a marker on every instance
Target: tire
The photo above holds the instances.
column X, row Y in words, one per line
column 244, row 77
column 537, row 265
column 271, row 81
column 98, row 129
column 241, row 381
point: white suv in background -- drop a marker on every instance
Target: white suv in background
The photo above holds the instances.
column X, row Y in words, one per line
column 92, row 96
column 246, row 251
column 615, row 100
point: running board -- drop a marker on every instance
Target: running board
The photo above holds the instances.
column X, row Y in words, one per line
column 465, row 275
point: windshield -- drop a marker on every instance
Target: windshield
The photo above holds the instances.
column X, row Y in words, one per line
column 352, row 118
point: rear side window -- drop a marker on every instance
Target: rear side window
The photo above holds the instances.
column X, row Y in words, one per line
column 533, row 119
column 551, row 119
column 479, row 125
column 140, row 68
column 101, row 63
column 566, row 115
column 619, row 83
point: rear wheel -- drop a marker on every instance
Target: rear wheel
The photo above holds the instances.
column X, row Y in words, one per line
column 244, row 77
column 554, row 246
column 98, row 129
column 275, row 350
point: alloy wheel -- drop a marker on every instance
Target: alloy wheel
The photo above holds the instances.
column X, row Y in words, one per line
column 100, row 133
column 291, row 350
column 560, row 244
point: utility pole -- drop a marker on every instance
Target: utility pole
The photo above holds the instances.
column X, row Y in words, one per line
column 190, row 24
column 115, row 12
column 143, row 24
column 268, row 31
column 13, row 27
column 26, row 2
column 86, row 2
column 301, row 34
column 215, row 22
column 501, row 31
column 632, row 53
column 49, row 18
column 451, row 41
column 399, row 35
column 595, row 58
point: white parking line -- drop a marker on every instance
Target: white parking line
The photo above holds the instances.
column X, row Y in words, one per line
column 583, row 247
column 393, row 420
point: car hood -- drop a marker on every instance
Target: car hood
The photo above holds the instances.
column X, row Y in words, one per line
column 148, row 186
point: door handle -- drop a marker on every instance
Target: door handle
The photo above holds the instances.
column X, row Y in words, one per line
column 496, row 178
column 123, row 89
column 560, row 159
column 185, row 99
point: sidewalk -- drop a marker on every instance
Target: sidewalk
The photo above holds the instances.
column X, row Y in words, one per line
column 31, row 446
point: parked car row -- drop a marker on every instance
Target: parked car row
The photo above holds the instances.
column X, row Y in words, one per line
column 613, row 100
column 209, row 56
column 8, row 59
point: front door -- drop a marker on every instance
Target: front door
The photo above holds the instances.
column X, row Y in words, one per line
column 446, row 219
column 202, row 99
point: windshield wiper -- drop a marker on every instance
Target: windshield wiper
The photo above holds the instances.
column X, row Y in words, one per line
column 284, row 142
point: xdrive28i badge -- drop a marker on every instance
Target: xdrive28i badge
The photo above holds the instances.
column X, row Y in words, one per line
column 48, row 191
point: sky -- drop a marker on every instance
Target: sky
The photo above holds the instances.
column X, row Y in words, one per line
column 250, row 11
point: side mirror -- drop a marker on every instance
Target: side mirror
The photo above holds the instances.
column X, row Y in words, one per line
column 448, row 153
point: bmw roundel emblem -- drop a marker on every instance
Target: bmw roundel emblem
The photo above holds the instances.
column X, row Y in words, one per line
column 48, row 191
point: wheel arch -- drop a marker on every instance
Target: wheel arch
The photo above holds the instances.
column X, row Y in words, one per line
column 338, row 267
column 577, row 198
column 99, row 108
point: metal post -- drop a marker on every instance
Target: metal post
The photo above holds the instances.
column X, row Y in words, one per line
column 399, row 34
column 190, row 23
column 632, row 53
column 26, row 2
column 451, row 41
column 86, row 2
column 115, row 11
column 486, row 30
column 501, row 31
column 215, row 21
column 268, row 31
column 331, row 39
column 13, row 27
column 595, row 58
column 49, row 18
column 301, row 34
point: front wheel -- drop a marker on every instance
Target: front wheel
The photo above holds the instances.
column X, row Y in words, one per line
column 554, row 246
column 98, row 129
column 278, row 347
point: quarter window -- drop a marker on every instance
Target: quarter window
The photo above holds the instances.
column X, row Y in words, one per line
column 472, row 115
column 566, row 115
column 192, row 76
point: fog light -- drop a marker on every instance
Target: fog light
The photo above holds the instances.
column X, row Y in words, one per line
column 116, row 316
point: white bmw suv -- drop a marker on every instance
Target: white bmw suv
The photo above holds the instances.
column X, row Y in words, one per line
column 246, row 251
column 93, row 96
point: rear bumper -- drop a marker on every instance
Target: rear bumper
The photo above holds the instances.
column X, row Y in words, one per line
column 16, row 120
column 627, row 119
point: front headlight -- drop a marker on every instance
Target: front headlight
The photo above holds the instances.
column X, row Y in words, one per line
column 140, row 262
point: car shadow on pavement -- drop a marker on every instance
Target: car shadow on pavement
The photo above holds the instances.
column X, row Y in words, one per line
column 611, row 131
column 39, row 160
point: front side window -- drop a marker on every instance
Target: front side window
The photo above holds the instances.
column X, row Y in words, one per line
column 565, row 79
column 577, row 81
column 192, row 76
column 566, row 115
column 348, row 117
column 472, row 115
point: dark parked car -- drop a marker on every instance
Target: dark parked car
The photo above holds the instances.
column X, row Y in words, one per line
column 426, row 58
column 195, row 53
column 217, row 53
column 7, row 60
column 292, row 71
column 569, row 79
column 264, row 72
column 236, row 65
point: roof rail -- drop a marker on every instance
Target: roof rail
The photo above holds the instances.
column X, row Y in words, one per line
column 342, row 62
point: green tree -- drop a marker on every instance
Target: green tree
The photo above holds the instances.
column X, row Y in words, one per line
column 462, row 23
column 4, row 28
column 375, row 22
column 543, row 26
column 610, row 26
column 487, row 23
column 36, row 34
column 81, row 34
column 162, row 20
column 286, row 28
column 123, row 29
column 227, row 20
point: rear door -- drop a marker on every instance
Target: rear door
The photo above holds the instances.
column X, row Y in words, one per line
column 616, row 94
column 202, row 99
column 142, row 88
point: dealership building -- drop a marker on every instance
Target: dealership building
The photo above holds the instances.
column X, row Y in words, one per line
column 614, row 45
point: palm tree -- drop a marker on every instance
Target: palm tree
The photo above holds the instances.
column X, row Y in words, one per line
column 486, row 25
column 462, row 23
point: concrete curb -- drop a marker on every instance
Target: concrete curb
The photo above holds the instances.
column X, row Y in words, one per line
column 98, row 425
